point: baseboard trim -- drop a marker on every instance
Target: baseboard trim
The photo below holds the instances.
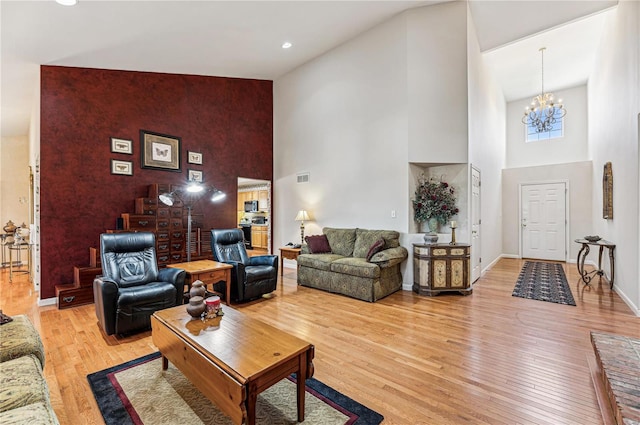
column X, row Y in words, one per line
column 47, row 302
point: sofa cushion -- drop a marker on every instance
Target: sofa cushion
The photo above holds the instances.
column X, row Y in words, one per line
column 390, row 257
column 355, row 267
column 341, row 241
column 22, row 383
column 375, row 248
column 20, row 338
column 365, row 238
column 32, row 414
column 318, row 261
column 318, row 244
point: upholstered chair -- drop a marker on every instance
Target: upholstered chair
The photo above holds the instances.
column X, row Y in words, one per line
column 131, row 287
column 251, row 277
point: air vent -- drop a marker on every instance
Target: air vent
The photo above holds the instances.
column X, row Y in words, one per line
column 303, row 178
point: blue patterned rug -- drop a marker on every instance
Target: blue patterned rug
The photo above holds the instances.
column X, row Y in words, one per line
column 543, row 282
column 139, row 392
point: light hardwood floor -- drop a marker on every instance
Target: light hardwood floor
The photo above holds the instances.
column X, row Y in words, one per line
column 485, row 358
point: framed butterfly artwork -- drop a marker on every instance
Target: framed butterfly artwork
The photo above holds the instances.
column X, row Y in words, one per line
column 160, row 151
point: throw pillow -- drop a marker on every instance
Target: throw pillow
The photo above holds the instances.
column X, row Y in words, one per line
column 376, row 247
column 318, row 244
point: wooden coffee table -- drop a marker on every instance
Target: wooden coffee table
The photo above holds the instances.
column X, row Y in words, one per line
column 233, row 358
column 209, row 272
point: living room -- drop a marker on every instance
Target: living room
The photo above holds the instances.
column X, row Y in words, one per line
column 364, row 99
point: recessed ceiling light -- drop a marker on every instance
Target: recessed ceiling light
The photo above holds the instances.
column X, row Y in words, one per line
column 286, row 45
column 67, row 2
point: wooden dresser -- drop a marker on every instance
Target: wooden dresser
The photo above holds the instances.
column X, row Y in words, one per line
column 441, row 268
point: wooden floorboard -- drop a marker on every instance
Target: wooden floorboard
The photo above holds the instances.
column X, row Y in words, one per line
column 486, row 358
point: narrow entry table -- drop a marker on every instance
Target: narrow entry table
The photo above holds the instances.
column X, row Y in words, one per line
column 584, row 251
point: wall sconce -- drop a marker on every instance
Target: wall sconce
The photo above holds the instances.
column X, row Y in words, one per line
column 301, row 217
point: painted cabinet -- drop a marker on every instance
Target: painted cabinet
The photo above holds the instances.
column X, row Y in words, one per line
column 441, row 268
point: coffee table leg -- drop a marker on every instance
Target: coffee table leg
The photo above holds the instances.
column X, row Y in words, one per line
column 301, row 377
column 252, row 397
column 165, row 363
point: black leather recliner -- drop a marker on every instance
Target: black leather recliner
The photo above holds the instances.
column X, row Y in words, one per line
column 131, row 287
column 251, row 277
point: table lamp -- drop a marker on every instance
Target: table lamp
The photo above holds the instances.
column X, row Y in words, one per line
column 301, row 217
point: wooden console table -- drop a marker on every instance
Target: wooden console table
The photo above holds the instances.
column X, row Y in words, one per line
column 441, row 268
column 584, row 251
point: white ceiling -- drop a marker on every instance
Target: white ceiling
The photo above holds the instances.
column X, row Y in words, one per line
column 243, row 39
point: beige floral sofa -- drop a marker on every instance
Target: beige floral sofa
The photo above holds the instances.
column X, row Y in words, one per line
column 345, row 270
column 24, row 394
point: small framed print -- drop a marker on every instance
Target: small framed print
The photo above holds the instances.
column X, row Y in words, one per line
column 124, row 168
column 194, row 158
column 195, row 176
column 160, row 151
column 121, row 146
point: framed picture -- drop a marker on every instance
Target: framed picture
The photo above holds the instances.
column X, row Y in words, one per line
column 194, row 158
column 121, row 146
column 124, row 168
column 195, row 176
column 160, row 151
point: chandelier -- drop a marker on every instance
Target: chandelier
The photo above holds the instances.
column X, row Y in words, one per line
column 543, row 113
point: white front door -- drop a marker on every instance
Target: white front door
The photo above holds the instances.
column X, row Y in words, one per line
column 543, row 221
column 476, row 260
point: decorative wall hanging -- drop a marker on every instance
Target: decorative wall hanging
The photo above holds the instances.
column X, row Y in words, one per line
column 607, row 192
column 124, row 168
column 194, row 158
column 195, row 176
column 121, row 146
column 160, row 151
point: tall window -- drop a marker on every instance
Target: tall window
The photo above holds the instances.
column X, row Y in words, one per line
column 557, row 130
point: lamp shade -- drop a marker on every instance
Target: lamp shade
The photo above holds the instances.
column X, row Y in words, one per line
column 302, row 216
column 167, row 198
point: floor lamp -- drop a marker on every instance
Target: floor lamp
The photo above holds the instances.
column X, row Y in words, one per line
column 189, row 196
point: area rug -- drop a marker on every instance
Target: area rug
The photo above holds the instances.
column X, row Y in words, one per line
column 544, row 282
column 139, row 392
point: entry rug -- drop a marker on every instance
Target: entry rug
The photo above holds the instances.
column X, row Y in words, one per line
column 544, row 282
column 139, row 392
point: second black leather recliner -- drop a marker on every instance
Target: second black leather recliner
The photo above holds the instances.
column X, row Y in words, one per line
column 251, row 277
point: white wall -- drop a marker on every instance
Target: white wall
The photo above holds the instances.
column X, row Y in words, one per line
column 14, row 180
column 437, row 83
column 578, row 176
column 342, row 117
column 570, row 148
column 614, row 106
column 345, row 118
column 487, row 130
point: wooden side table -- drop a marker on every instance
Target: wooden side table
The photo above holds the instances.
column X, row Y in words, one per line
column 207, row 271
column 289, row 254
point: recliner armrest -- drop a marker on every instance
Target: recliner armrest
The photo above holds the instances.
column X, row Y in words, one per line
column 105, row 294
column 264, row 260
column 176, row 277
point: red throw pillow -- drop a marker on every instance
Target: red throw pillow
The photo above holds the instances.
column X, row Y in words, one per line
column 318, row 244
column 375, row 248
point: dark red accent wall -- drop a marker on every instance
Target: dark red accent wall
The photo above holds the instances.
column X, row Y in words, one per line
column 228, row 120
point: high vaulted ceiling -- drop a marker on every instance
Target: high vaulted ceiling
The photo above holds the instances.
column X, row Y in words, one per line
column 244, row 38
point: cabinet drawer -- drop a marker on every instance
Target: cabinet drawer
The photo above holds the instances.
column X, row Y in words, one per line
column 163, row 258
column 210, row 277
column 163, row 234
column 176, row 257
column 163, row 223
column 176, row 223
column 163, row 213
column 176, row 212
column 163, row 246
column 68, row 296
column 177, row 234
column 139, row 222
column 176, row 246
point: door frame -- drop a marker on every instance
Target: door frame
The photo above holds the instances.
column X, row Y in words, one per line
column 479, row 212
column 567, row 215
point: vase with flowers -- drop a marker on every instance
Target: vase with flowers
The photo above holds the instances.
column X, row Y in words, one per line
column 434, row 203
